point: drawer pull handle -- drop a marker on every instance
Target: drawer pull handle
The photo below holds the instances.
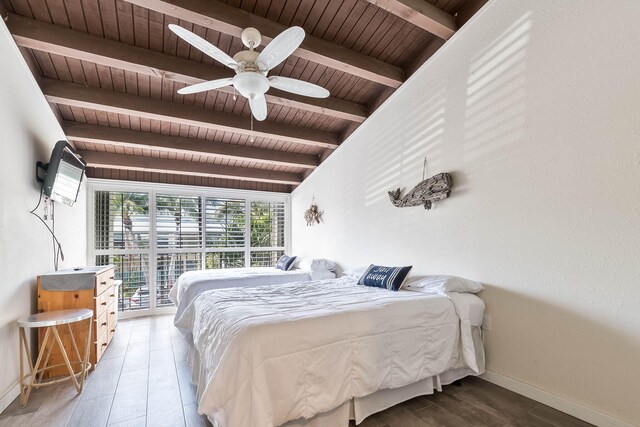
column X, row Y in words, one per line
column 104, row 344
column 103, row 283
column 104, row 324
column 103, row 303
column 112, row 295
column 113, row 330
column 113, row 312
column 111, row 277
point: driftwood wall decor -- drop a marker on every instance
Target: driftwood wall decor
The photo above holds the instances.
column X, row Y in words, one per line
column 438, row 187
column 312, row 214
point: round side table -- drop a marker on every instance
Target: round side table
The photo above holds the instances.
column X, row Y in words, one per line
column 51, row 320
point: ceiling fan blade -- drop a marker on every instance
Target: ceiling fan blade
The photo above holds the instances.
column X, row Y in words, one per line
column 280, row 48
column 204, row 46
column 298, row 87
column 204, row 86
column 258, row 107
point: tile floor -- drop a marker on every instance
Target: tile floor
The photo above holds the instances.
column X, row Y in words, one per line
column 143, row 380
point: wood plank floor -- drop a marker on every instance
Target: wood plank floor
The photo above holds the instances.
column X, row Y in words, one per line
column 143, row 380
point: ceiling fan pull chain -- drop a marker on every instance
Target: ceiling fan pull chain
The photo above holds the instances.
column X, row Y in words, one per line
column 252, row 138
column 235, row 92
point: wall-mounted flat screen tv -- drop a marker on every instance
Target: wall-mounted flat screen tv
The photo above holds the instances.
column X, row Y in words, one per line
column 64, row 172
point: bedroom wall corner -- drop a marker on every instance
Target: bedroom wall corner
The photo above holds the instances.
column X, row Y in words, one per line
column 28, row 131
column 533, row 108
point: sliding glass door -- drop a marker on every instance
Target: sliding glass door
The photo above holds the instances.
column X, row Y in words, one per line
column 153, row 234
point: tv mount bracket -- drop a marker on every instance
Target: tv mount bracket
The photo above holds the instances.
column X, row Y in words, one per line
column 44, row 167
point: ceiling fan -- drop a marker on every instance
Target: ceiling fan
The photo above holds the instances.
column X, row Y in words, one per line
column 252, row 67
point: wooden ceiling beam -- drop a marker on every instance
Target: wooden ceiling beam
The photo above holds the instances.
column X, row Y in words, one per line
column 4, row 15
column 468, row 9
column 430, row 50
column 105, row 135
column 421, row 14
column 231, row 20
column 33, row 34
column 81, row 96
column 181, row 167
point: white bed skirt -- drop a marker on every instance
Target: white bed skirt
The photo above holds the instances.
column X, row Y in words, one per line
column 360, row 408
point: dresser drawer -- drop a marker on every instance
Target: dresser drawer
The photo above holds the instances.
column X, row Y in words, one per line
column 112, row 318
column 104, row 281
column 111, row 295
column 101, row 346
column 103, row 300
column 102, row 325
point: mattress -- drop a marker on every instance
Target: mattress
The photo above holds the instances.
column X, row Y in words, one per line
column 191, row 284
column 268, row 355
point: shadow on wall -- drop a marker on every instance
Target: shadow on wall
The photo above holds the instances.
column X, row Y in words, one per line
column 476, row 127
column 568, row 336
column 419, row 131
column 495, row 99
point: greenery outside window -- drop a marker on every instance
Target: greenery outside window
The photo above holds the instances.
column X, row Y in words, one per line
column 153, row 237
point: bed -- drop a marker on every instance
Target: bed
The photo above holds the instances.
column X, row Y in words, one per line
column 190, row 284
column 323, row 352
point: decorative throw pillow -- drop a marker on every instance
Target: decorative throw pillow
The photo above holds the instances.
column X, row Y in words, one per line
column 285, row 262
column 390, row 278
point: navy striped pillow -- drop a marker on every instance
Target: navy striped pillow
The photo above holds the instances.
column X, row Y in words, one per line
column 390, row 278
column 285, row 262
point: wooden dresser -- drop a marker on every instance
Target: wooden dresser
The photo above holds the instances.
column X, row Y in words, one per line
column 90, row 287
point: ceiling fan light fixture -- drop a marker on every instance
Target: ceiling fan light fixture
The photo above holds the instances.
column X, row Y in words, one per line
column 251, row 85
column 252, row 67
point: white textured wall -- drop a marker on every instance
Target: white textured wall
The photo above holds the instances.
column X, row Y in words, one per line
column 28, row 132
column 534, row 107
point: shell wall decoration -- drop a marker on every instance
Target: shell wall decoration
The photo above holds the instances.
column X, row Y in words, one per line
column 312, row 214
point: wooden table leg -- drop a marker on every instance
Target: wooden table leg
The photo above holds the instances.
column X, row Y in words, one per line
column 73, row 342
column 46, row 360
column 22, row 346
column 24, row 396
column 74, row 380
column 86, row 355
column 50, row 323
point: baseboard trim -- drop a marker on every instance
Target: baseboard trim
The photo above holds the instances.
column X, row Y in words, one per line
column 560, row 403
column 9, row 397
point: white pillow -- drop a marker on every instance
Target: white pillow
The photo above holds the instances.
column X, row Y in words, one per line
column 356, row 272
column 443, row 284
column 314, row 264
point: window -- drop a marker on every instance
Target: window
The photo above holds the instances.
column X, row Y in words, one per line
column 225, row 223
column 178, row 222
column 267, row 233
column 168, row 268
column 121, row 230
column 224, row 260
column 154, row 236
column 265, row 258
column 122, row 220
column 133, row 270
column 178, row 228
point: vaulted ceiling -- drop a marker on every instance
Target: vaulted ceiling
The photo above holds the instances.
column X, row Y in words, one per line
column 110, row 70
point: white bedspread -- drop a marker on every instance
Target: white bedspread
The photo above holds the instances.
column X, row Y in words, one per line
column 278, row 353
column 191, row 284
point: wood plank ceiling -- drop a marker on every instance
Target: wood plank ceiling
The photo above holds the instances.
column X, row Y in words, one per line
column 110, row 70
